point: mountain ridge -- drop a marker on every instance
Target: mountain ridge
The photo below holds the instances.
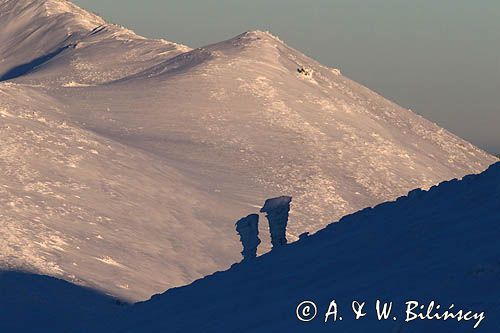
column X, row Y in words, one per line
column 72, row 30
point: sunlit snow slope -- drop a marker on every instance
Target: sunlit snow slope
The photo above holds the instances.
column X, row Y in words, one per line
column 126, row 161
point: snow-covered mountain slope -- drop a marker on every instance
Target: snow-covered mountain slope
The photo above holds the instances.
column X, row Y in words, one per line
column 86, row 208
column 333, row 145
column 74, row 47
column 439, row 245
column 126, row 161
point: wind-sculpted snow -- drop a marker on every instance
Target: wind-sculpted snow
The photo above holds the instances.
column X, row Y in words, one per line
column 125, row 161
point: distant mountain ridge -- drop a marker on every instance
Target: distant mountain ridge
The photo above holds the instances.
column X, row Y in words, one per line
column 126, row 161
column 45, row 28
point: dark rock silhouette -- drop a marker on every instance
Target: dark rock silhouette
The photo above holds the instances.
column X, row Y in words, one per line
column 304, row 71
column 276, row 210
column 248, row 229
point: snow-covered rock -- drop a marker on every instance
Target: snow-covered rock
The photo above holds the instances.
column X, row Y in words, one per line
column 248, row 230
column 277, row 211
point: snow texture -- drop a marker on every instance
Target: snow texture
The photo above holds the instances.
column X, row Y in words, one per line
column 115, row 148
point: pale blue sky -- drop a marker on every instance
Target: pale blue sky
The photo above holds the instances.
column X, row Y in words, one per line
column 439, row 58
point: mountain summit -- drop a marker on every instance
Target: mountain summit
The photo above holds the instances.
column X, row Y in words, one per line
column 126, row 161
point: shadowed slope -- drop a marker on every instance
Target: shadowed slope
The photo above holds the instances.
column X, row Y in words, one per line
column 34, row 303
column 32, row 65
